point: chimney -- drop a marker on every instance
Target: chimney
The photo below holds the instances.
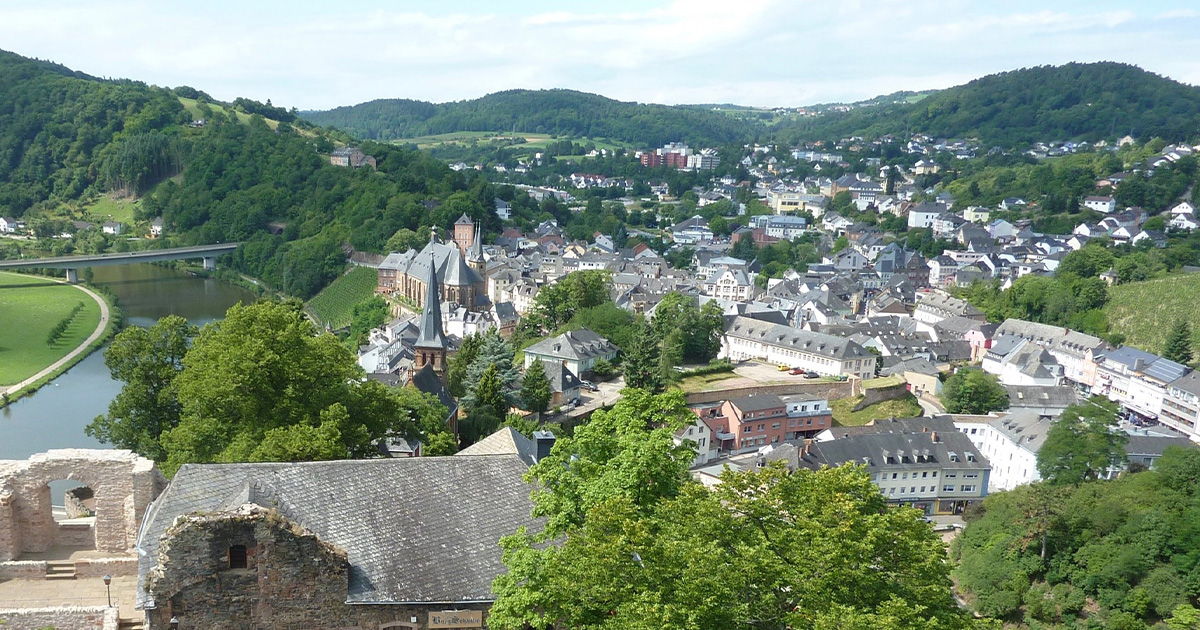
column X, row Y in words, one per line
column 545, row 441
column 933, row 437
column 1139, row 365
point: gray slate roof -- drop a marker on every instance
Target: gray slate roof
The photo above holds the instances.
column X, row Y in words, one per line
column 421, row 529
column 576, row 344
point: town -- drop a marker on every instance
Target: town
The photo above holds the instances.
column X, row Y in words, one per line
column 547, row 360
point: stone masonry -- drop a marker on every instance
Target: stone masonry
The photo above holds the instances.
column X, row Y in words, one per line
column 291, row 579
column 123, row 485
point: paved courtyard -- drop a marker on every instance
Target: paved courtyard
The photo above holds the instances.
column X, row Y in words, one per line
column 80, row 592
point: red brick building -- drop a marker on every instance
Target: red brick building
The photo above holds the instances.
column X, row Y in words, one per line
column 756, row 421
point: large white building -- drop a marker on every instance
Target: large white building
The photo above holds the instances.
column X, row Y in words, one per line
column 748, row 338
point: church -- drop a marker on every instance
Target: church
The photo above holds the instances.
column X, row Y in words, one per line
column 457, row 265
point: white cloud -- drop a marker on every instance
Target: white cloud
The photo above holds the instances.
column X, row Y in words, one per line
column 764, row 52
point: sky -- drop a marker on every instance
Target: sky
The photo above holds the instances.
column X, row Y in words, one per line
column 318, row 55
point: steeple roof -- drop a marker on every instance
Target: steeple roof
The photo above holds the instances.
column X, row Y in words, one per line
column 476, row 252
column 431, row 335
column 464, row 220
column 457, row 272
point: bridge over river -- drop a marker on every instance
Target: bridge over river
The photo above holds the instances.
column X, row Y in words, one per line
column 73, row 263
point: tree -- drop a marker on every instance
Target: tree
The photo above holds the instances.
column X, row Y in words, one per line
column 1083, row 444
column 971, row 390
column 642, row 369
column 367, row 315
column 812, row 549
column 460, row 363
column 535, row 388
column 264, row 385
column 489, row 393
column 148, row 360
column 1179, row 343
column 1087, row 262
column 496, row 354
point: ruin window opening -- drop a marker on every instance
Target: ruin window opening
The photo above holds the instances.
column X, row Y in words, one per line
column 237, row 557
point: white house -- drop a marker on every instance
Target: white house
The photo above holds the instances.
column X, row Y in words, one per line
column 111, row 227
column 923, row 215
column 748, row 338
column 1104, row 205
column 8, row 225
column 1183, row 222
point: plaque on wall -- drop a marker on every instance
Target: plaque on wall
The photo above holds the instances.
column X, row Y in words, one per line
column 456, row 619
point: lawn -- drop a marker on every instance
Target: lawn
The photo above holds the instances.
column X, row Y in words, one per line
column 842, row 416
column 1145, row 311
column 106, row 208
column 335, row 303
column 29, row 307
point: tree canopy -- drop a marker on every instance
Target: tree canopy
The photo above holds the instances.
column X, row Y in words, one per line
column 261, row 385
column 635, row 542
column 971, row 390
column 1083, row 444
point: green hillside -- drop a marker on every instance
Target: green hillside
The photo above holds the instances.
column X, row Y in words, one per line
column 556, row 112
column 1145, row 311
column 1076, row 101
column 335, row 303
column 67, row 138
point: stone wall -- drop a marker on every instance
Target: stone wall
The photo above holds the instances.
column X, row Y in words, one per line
column 23, row 570
column 79, row 502
column 292, row 580
column 100, row 567
column 80, row 535
column 123, row 485
column 71, row 618
column 827, row 390
column 877, row 395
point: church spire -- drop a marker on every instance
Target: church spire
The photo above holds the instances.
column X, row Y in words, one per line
column 431, row 335
column 475, row 255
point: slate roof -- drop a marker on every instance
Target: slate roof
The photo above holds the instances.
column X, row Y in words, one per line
column 1054, row 337
column 506, row 441
column 1189, row 383
column 794, row 338
column 576, row 344
column 761, row 402
column 1040, row 396
column 420, row 529
column 907, row 442
column 430, row 333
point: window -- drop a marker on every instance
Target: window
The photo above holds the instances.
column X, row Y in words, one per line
column 893, row 475
column 924, row 474
column 922, row 488
column 948, row 488
column 950, row 474
column 968, row 488
column 746, row 429
column 971, row 475
column 762, row 427
column 914, row 490
column 891, row 491
column 904, row 476
column 237, row 556
column 775, row 425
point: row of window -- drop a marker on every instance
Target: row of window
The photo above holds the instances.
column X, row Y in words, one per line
column 945, row 488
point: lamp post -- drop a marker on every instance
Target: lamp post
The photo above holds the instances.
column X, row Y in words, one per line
column 174, row 623
column 108, row 588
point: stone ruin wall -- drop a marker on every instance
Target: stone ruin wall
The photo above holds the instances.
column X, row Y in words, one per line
column 292, row 579
column 123, row 483
column 70, row 618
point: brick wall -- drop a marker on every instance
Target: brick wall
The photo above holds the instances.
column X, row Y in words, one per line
column 880, row 394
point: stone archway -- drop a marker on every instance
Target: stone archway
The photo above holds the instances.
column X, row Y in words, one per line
column 123, row 483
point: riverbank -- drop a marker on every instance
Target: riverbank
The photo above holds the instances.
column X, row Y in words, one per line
column 107, row 325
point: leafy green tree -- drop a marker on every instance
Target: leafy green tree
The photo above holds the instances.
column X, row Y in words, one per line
column 147, row 360
column 642, row 366
column 1178, row 347
column 699, row 329
column 840, row 244
column 1083, row 444
column 264, row 385
column 1087, row 262
column 535, row 388
column 971, row 390
column 460, row 363
column 479, row 423
column 365, row 316
column 803, row 550
column 1184, row 617
column 556, row 303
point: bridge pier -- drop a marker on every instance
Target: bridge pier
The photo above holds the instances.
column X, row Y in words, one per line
column 73, row 276
column 210, row 263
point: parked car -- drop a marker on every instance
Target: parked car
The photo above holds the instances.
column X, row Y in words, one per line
column 588, row 385
column 811, row 374
column 796, row 371
column 784, row 368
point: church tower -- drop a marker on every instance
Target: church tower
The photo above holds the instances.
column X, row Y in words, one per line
column 464, row 233
column 431, row 346
column 475, row 257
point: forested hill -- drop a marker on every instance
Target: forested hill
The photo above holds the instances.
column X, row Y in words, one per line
column 565, row 112
column 1075, row 101
column 66, row 138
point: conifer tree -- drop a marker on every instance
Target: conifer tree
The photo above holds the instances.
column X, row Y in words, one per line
column 535, row 388
column 1179, row 343
column 642, row 369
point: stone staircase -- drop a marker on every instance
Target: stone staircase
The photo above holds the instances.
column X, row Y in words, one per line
column 60, row 570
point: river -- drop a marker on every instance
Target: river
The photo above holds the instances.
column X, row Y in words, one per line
column 55, row 415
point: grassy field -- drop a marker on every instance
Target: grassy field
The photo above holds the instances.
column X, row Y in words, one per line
column 106, row 208
column 29, row 307
column 533, row 141
column 902, row 408
column 335, row 303
column 1145, row 311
